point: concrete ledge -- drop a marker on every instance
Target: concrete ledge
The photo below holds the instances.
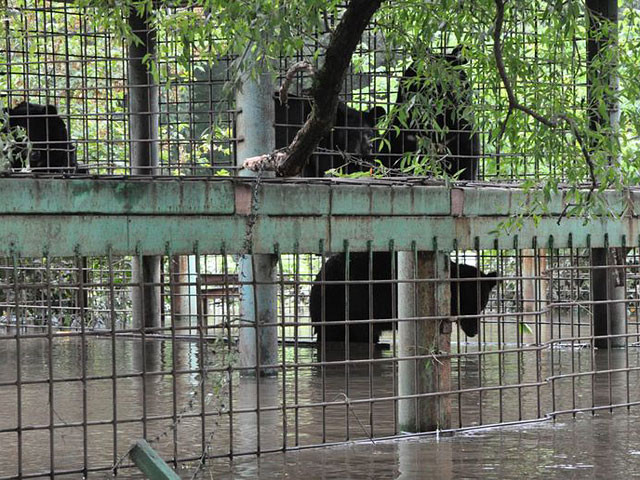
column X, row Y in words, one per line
column 62, row 216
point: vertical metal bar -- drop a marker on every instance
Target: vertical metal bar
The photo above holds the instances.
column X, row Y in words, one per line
column 258, row 355
column 370, row 326
column 323, row 345
column 296, row 346
column 16, row 286
column 609, row 323
column 521, row 319
column 394, row 343
column 114, row 371
column 458, row 334
column 573, row 281
column 52, row 462
column 174, row 357
column 283, row 348
column 347, row 356
column 480, row 339
column 202, row 347
column 538, row 322
column 227, row 320
column 554, row 264
column 143, row 335
column 81, row 263
column 415, row 270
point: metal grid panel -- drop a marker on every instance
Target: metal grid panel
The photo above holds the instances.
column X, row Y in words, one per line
column 56, row 55
column 79, row 377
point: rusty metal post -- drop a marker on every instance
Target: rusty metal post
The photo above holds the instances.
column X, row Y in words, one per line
column 606, row 283
column 143, row 128
column 424, row 337
column 258, row 342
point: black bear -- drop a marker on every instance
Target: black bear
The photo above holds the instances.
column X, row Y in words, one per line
column 463, row 292
column 352, row 134
column 452, row 139
column 51, row 149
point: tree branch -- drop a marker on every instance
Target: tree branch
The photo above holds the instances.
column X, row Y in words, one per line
column 326, row 87
column 552, row 122
column 302, row 66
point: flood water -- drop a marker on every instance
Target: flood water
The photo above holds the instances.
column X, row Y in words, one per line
column 602, row 446
column 97, row 418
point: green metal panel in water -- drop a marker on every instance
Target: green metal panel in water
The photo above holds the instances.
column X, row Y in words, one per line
column 62, row 216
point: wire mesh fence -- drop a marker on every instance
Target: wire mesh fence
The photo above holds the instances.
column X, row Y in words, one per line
column 58, row 54
column 83, row 375
column 80, row 381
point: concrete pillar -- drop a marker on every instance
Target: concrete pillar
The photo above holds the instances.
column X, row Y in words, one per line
column 258, row 344
column 606, row 284
column 422, row 337
column 143, row 130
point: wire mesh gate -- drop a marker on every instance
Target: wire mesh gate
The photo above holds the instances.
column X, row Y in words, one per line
column 80, row 380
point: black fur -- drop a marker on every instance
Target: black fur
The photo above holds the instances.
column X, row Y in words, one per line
column 459, row 147
column 352, row 133
column 464, row 292
column 51, row 149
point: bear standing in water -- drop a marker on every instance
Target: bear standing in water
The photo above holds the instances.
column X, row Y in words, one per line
column 463, row 293
column 51, row 150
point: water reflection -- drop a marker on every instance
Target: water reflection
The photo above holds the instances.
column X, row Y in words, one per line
column 157, row 391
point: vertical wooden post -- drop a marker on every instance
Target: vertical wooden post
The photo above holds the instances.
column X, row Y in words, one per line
column 606, row 283
column 143, row 128
column 424, row 337
column 258, row 343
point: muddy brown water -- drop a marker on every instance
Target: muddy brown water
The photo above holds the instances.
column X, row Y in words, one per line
column 604, row 445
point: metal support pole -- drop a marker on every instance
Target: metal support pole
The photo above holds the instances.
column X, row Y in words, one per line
column 423, row 338
column 606, row 284
column 143, row 129
column 258, row 344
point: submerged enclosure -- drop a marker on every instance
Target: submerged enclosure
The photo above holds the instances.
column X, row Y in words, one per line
column 149, row 289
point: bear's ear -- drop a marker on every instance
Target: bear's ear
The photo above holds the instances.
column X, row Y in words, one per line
column 375, row 114
column 50, row 110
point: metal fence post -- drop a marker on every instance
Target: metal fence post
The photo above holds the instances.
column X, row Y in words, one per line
column 144, row 109
column 606, row 283
column 258, row 344
column 422, row 338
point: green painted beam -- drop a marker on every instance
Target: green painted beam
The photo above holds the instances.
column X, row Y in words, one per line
column 116, row 196
column 62, row 216
column 150, row 463
column 94, row 235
